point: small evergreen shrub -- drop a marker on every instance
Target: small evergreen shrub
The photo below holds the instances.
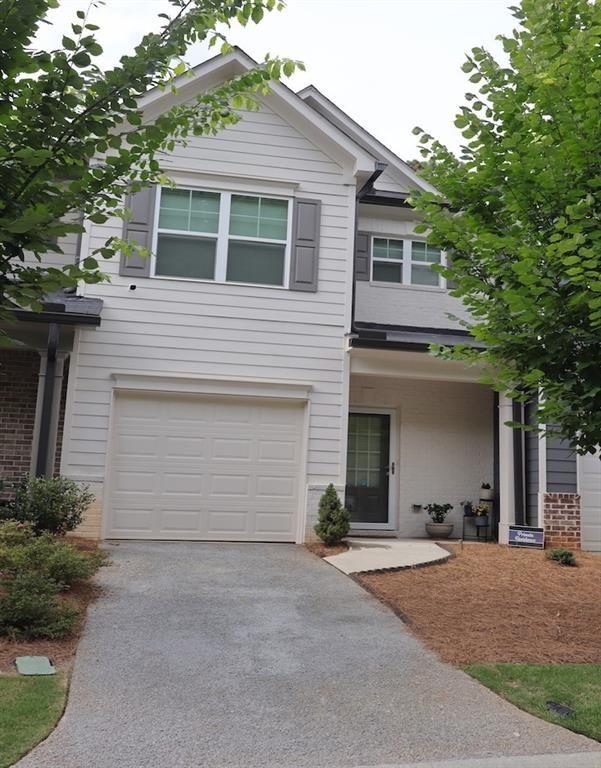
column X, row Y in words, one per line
column 53, row 504
column 61, row 562
column 334, row 519
column 30, row 607
column 562, row 555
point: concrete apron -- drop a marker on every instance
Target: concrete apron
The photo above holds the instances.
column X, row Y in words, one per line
column 575, row 760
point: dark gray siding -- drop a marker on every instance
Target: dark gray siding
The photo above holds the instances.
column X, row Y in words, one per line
column 531, row 444
column 561, row 466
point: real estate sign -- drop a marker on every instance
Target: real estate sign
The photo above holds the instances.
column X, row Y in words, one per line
column 526, row 536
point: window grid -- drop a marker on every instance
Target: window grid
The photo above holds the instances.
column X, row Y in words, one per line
column 391, row 251
column 222, row 237
column 364, row 458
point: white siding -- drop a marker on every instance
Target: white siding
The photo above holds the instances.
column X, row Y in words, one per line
column 445, row 443
column 392, row 304
column 182, row 326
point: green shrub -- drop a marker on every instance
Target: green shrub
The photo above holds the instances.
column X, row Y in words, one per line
column 53, row 504
column 30, row 608
column 52, row 559
column 334, row 519
column 562, row 555
column 13, row 533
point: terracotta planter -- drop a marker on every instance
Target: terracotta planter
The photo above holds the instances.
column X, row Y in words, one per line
column 439, row 530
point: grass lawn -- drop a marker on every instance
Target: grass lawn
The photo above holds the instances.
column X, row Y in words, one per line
column 31, row 707
column 531, row 686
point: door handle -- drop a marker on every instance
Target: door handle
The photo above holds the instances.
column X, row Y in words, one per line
column 390, row 469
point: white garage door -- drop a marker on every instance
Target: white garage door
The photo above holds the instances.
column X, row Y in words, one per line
column 198, row 467
column 589, row 480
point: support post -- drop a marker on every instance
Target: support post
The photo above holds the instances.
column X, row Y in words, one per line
column 51, row 374
column 506, row 470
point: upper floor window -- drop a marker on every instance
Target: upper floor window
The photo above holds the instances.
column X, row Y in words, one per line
column 407, row 262
column 222, row 236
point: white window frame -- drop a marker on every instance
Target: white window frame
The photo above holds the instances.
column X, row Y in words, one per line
column 406, row 264
column 222, row 237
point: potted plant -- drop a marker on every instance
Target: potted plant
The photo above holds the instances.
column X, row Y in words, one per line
column 438, row 529
column 468, row 510
column 486, row 492
column 480, row 515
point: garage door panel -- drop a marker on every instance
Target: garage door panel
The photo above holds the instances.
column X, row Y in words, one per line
column 205, row 468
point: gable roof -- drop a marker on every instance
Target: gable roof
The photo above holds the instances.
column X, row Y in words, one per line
column 364, row 139
column 318, row 128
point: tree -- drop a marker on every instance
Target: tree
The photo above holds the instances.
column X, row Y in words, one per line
column 74, row 140
column 519, row 213
column 334, row 519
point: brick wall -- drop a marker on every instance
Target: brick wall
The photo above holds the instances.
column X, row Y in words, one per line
column 19, row 371
column 561, row 516
column 18, row 393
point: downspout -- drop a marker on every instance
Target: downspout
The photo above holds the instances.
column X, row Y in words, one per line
column 42, row 458
column 365, row 189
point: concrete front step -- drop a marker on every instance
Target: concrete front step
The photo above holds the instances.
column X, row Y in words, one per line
column 385, row 554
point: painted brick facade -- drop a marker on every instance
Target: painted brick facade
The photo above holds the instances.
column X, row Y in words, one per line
column 561, row 515
column 18, row 393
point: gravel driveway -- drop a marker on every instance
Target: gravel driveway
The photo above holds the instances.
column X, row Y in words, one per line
column 262, row 655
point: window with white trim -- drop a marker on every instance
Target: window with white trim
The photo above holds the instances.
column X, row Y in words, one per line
column 222, row 236
column 405, row 262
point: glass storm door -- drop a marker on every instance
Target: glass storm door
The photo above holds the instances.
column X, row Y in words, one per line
column 368, row 466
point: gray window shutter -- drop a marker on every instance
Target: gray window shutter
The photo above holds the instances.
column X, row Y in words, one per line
column 304, row 265
column 139, row 228
column 362, row 256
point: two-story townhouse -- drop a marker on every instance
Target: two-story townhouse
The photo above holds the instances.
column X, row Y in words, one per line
column 276, row 341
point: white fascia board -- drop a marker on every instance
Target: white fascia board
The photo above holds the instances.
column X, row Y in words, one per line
column 321, row 104
column 317, row 128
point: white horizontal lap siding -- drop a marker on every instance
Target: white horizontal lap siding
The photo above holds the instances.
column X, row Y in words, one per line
column 392, row 304
column 68, row 244
column 217, row 330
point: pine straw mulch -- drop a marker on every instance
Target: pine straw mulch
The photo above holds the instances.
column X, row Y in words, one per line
column 491, row 603
column 320, row 549
column 60, row 652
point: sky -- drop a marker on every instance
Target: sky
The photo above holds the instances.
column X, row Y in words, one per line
column 389, row 64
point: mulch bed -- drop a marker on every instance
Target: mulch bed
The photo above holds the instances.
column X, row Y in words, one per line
column 491, row 603
column 60, row 652
column 320, row 549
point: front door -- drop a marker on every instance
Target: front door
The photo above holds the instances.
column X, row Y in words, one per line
column 368, row 469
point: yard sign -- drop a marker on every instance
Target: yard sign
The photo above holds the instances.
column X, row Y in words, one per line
column 525, row 536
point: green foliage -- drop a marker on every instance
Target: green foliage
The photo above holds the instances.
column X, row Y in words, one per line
column 13, row 533
column 562, row 555
column 53, row 504
column 334, row 519
column 30, row 607
column 438, row 512
column 63, row 563
column 74, row 140
column 519, row 210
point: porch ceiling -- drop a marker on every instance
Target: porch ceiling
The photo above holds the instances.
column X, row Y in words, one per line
column 403, row 364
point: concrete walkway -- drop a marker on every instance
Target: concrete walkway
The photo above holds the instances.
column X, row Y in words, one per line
column 387, row 554
column 263, row 656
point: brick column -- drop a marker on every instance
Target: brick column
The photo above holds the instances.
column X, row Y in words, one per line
column 561, row 520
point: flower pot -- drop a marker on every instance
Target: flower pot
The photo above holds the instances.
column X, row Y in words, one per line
column 487, row 494
column 439, row 530
column 468, row 510
column 481, row 521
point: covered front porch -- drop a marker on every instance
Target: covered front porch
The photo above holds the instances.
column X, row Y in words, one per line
column 420, row 430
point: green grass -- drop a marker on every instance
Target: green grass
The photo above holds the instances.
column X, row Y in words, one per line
column 530, row 686
column 30, row 708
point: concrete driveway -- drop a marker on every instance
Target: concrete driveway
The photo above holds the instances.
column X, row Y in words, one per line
column 262, row 655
